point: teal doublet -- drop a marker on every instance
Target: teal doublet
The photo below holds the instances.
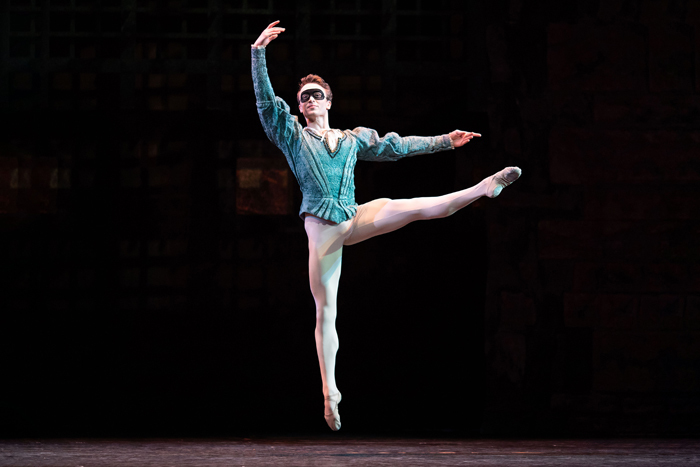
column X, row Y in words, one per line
column 326, row 173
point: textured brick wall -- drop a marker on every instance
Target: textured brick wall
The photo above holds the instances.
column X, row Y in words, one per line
column 594, row 285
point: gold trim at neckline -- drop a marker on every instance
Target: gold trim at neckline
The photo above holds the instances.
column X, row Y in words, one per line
column 324, row 137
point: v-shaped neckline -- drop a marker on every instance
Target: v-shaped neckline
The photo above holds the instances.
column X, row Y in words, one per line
column 324, row 137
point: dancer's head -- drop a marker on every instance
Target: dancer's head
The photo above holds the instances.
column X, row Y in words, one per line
column 314, row 97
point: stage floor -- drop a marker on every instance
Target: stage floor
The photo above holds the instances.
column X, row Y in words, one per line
column 340, row 451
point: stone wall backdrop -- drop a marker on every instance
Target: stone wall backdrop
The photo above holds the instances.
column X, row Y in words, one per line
column 592, row 321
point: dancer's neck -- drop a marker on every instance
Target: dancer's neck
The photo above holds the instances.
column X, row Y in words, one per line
column 319, row 124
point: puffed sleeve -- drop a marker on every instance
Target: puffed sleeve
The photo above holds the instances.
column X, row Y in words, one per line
column 281, row 127
column 393, row 147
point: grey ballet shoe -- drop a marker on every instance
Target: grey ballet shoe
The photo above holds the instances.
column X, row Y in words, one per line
column 502, row 179
column 333, row 418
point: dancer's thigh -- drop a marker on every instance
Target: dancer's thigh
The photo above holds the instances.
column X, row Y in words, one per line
column 325, row 257
column 382, row 216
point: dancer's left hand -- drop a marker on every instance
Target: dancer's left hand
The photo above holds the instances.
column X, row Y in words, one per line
column 460, row 138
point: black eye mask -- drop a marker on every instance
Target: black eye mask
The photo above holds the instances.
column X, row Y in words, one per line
column 316, row 93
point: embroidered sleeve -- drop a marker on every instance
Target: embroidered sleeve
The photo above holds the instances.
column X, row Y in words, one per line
column 393, row 147
column 281, row 127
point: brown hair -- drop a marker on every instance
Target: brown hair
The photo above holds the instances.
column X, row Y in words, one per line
column 318, row 80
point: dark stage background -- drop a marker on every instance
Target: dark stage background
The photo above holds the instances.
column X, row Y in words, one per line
column 154, row 267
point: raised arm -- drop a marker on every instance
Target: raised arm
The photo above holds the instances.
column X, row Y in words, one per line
column 281, row 127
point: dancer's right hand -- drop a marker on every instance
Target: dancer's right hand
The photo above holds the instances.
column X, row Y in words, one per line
column 269, row 34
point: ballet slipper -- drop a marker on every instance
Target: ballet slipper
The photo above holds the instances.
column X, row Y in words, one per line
column 502, row 179
column 333, row 417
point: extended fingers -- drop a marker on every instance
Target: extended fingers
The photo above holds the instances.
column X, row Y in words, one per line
column 272, row 24
column 461, row 138
column 467, row 136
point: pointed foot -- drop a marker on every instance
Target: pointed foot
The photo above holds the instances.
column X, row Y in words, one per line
column 331, row 411
column 502, row 179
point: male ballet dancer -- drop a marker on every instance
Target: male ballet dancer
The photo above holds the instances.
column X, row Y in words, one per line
column 323, row 162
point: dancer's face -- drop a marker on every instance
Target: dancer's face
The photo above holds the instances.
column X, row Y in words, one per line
column 313, row 108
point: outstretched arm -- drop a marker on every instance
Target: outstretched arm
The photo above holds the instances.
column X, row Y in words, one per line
column 281, row 127
column 393, row 147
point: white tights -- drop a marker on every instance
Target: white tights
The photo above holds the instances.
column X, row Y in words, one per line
column 326, row 241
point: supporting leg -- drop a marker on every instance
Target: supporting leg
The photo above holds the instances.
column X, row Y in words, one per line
column 325, row 260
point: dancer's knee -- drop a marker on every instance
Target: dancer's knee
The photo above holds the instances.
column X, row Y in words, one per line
column 325, row 314
column 418, row 209
column 436, row 212
column 406, row 210
column 437, row 208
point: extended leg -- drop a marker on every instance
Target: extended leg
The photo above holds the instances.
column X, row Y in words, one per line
column 386, row 215
column 325, row 260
